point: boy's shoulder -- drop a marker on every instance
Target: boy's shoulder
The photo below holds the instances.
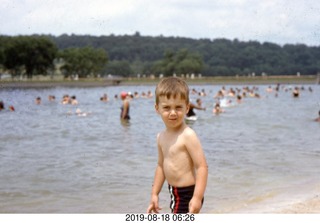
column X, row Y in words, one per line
column 188, row 132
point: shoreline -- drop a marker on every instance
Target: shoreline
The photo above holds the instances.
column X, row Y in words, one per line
column 291, row 80
column 300, row 200
column 308, row 206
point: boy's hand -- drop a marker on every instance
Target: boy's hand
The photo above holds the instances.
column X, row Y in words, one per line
column 195, row 206
column 153, row 209
column 154, row 206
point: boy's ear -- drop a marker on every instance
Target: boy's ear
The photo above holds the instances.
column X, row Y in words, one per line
column 188, row 107
column 156, row 107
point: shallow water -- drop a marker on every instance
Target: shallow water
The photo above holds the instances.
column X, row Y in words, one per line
column 56, row 162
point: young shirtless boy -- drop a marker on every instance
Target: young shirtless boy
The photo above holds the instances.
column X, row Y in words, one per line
column 181, row 160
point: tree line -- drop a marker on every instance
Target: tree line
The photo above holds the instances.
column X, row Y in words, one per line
column 35, row 55
column 129, row 55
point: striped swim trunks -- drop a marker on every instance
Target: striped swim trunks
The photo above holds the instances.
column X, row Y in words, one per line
column 180, row 198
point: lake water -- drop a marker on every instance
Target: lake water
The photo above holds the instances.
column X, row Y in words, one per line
column 261, row 152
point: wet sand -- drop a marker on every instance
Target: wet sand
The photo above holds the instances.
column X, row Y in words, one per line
column 301, row 202
column 309, row 206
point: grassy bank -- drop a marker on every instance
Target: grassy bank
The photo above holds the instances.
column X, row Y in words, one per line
column 292, row 80
column 310, row 79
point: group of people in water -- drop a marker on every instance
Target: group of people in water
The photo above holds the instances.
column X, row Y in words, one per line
column 2, row 107
column 235, row 95
column 124, row 96
column 222, row 98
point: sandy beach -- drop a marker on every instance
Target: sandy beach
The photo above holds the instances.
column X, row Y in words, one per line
column 304, row 201
column 309, row 206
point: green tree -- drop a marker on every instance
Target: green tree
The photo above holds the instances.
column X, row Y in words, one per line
column 83, row 61
column 182, row 62
column 225, row 56
column 3, row 43
column 119, row 68
column 34, row 55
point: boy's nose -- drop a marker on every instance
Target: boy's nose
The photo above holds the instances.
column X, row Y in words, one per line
column 173, row 112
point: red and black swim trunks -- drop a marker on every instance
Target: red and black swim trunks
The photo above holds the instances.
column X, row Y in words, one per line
column 180, row 198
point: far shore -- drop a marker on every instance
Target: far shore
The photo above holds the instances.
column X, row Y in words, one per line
column 104, row 82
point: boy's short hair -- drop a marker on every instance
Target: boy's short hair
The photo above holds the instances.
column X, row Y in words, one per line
column 172, row 87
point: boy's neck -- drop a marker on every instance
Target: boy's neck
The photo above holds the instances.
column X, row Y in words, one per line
column 177, row 129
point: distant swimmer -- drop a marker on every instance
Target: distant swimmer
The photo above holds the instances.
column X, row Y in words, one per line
column 11, row 108
column 192, row 106
column 217, row 109
column 295, row 92
column 51, row 98
column 226, row 102
column 202, row 93
column 38, row 101
column 73, row 100
column 219, row 95
column 318, row 119
column 104, row 98
column 149, row 94
column 81, row 113
column 2, row 107
column 78, row 112
column 239, row 99
column 65, row 99
column 269, row 89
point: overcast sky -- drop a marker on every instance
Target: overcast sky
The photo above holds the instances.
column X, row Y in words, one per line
column 277, row 21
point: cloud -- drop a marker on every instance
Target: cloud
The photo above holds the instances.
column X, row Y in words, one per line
column 287, row 21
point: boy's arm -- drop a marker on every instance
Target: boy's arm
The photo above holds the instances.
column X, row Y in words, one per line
column 198, row 194
column 158, row 181
column 197, row 155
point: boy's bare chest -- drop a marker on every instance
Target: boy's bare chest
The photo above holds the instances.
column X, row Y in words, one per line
column 172, row 146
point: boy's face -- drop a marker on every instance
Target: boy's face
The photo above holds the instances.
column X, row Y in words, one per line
column 172, row 110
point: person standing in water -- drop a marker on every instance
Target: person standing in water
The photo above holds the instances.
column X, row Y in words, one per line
column 318, row 119
column 195, row 106
column 125, row 108
column 181, row 159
